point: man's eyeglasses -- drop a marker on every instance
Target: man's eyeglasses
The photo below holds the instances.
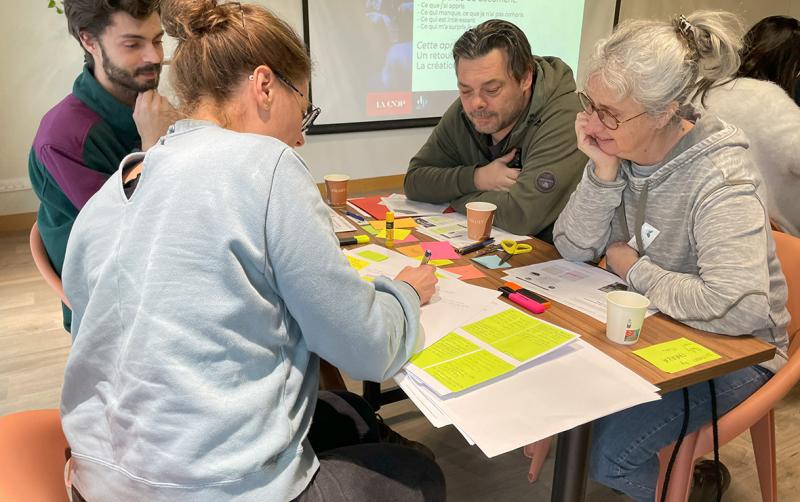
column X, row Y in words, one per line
column 312, row 112
column 607, row 118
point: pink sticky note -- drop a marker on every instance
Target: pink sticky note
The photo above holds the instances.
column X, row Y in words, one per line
column 408, row 239
column 466, row 272
column 441, row 250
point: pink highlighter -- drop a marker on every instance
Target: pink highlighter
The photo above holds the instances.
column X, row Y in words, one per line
column 522, row 300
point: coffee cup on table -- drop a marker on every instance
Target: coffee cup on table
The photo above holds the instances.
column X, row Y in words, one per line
column 480, row 216
column 336, row 189
column 625, row 311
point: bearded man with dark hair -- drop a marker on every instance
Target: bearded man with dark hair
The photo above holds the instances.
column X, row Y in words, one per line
column 114, row 109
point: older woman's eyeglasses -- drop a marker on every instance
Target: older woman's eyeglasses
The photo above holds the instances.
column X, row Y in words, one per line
column 606, row 118
column 311, row 113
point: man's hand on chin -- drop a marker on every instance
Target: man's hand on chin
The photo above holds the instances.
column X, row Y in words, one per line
column 153, row 114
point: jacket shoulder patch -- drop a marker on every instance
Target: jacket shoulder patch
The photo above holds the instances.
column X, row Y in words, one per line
column 545, row 181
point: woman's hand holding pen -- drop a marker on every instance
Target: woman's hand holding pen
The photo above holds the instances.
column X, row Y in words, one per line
column 422, row 279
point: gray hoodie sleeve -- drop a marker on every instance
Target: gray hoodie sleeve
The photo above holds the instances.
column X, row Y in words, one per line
column 367, row 330
column 583, row 229
column 729, row 294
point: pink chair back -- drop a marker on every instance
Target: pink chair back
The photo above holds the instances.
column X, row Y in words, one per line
column 756, row 412
column 42, row 262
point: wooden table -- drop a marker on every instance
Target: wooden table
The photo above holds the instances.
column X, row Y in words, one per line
column 569, row 478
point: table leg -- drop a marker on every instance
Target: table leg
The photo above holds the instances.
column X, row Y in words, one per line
column 572, row 456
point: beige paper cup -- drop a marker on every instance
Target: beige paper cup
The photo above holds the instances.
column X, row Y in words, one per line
column 625, row 315
column 480, row 216
column 336, row 188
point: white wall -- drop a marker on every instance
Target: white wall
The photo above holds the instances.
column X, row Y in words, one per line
column 40, row 62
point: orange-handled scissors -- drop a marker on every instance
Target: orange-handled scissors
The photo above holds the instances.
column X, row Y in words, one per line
column 510, row 248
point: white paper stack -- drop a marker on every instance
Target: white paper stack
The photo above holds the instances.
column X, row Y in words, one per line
column 572, row 386
column 567, row 387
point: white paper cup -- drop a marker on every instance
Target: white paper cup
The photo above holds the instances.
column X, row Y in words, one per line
column 480, row 216
column 336, row 188
column 625, row 315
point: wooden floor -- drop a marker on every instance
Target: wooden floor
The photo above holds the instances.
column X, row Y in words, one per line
column 34, row 347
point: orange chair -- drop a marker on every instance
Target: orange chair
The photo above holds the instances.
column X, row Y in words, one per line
column 32, row 457
column 756, row 412
column 42, row 262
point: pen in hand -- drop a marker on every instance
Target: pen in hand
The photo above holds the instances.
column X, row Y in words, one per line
column 427, row 257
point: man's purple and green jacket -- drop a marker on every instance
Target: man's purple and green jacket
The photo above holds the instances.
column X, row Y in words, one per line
column 79, row 144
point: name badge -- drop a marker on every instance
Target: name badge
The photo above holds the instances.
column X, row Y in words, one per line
column 649, row 234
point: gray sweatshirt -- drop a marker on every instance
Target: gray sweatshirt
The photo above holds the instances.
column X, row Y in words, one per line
column 771, row 121
column 200, row 305
column 712, row 264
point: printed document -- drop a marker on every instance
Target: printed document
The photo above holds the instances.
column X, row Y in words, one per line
column 575, row 284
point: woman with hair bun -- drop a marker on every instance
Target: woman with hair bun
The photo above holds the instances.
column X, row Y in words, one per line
column 206, row 282
column 673, row 201
column 759, row 102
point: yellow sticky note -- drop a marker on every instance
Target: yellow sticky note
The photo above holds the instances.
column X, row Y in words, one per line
column 446, row 348
column 471, row 369
column 356, row 263
column 372, row 255
column 399, row 234
column 502, row 325
column 676, row 355
column 533, row 342
column 436, row 263
column 398, row 223
column 518, row 335
column 370, row 229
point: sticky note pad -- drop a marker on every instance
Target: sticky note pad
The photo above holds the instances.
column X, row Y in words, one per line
column 467, row 272
column 399, row 234
column 370, row 229
column 398, row 223
column 471, row 369
column 446, row 348
column 412, row 251
column 676, row 355
column 372, row 255
column 356, row 263
column 490, row 262
column 440, row 250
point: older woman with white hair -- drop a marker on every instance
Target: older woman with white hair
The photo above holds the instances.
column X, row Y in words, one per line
column 674, row 202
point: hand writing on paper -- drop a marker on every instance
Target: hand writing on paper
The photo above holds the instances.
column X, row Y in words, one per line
column 496, row 175
column 620, row 257
column 422, row 279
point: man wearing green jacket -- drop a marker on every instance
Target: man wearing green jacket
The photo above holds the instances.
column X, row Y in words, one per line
column 114, row 109
column 510, row 137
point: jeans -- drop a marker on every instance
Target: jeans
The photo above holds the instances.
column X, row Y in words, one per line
column 625, row 445
column 356, row 466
